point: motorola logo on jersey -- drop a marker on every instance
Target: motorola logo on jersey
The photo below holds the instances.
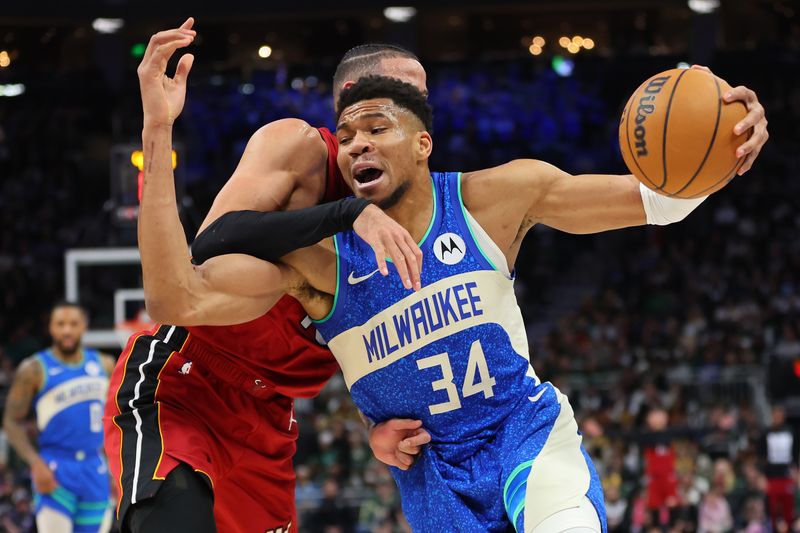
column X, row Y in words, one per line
column 92, row 368
column 449, row 248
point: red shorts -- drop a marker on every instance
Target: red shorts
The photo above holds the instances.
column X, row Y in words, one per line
column 661, row 491
column 162, row 410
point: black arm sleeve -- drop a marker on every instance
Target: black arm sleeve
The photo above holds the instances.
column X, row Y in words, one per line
column 271, row 235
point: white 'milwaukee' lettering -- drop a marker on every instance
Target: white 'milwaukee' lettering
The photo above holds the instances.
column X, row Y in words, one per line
column 439, row 310
column 69, row 393
column 421, row 318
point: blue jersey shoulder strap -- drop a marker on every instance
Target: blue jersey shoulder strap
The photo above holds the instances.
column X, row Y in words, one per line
column 491, row 257
column 46, row 360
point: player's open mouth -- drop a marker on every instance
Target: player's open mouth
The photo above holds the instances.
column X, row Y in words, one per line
column 367, row 175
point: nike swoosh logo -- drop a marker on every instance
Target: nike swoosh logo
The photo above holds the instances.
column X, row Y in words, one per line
column 353, row 280
column 537, row 396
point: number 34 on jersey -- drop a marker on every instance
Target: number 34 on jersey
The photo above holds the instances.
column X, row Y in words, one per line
column 476, row 380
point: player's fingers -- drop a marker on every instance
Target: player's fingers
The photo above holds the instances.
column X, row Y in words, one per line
column 380, row 258
column 404, row 461
column 741, row 94
column 747, row 164
column 754, row 117
column 702, row 67
column 413, row 445
column 406, row 446
column 403, row 423
column 417, row 261
column 163, row 37
column 752, row 148
column 412, row 263
column 748, row 161
column 167, row 49
column 420, row 437
column 188, row 24
column 399, row 262
column 156, row 64
column 754, row 143
column 184, row 66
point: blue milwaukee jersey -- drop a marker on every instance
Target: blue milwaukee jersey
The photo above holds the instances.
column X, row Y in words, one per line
column 69, row 406
column 455, row 354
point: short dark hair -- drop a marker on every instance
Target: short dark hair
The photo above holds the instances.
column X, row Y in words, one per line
column 401, row 93
column 364, row 60
column 61, row 304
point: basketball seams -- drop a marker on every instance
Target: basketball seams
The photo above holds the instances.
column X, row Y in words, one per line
column 726, row 178
column 710, row 145
column 664, row 135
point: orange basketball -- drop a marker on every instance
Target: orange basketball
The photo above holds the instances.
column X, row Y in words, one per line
column 676, row 133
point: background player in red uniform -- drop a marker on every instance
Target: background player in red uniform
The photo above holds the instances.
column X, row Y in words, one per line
column 202, row 417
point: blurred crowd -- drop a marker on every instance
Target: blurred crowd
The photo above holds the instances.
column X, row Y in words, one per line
column 677, row 346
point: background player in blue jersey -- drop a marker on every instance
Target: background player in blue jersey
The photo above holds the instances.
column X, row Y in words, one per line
column 505, row 451
column 67, row 386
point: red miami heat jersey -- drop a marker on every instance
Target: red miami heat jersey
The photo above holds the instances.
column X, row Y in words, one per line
column 280, row 350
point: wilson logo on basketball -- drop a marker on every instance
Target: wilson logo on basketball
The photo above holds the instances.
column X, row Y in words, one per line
column 646, row 108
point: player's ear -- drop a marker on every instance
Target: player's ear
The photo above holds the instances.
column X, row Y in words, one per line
column 348, row 84
column 424, row 144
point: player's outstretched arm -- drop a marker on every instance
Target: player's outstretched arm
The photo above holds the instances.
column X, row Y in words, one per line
column 233, row 289
column 541, row 193
column 521, row 193
column 587, row 203
column 230, row 289
column 27, row 382
column 594, row 203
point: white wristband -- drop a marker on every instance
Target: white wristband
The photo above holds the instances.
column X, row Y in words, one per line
column 662, row 210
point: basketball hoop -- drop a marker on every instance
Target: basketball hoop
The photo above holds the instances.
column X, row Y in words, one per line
column 126, row 328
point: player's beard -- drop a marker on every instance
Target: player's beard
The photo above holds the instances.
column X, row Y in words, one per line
column 395, row 197
column 68, row 349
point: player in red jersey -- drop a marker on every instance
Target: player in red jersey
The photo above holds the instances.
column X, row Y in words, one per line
column 199, row 426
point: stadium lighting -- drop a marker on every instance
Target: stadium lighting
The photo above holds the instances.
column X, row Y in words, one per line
column 5, row 59
column 12, row 89
column 703, row 7
column 564, row 41
column 563, row 67
column 137, row 50
column 588, row 43
column 538, row 41
column 265, row 51
column 104, row 25
column 535, row 49
column 573, row 48
column 137, row 159
column 399, row 14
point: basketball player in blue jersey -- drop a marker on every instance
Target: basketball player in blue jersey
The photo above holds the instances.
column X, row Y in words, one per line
column 505, row 451
column 67, row 385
